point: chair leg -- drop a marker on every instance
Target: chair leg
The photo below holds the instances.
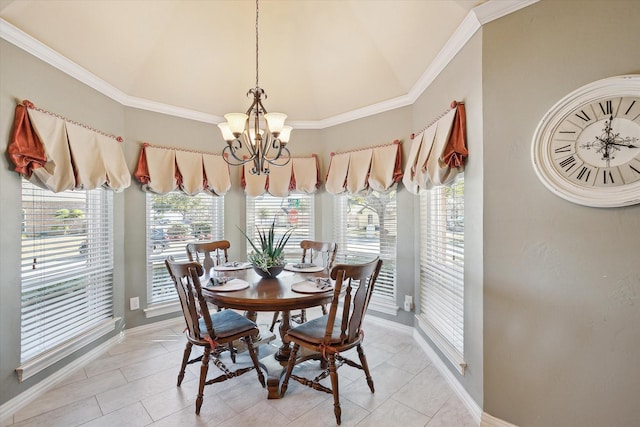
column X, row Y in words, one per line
column 274, row 321
column 292, row 361
column 204, row 368
column 254, row 358
column 232, row 350
column 334, row 387
column 185, row 359
column 365, row 367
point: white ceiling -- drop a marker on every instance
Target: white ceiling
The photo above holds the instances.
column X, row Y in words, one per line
column 318, row 58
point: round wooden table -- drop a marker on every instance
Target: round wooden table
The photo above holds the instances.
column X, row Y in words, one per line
column 268, row 295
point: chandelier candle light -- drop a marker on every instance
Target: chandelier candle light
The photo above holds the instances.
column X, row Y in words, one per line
column 248, row 141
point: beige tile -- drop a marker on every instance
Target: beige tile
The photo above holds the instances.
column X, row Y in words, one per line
column 414, row 360
column 322, row 415
column 453, row 413
column 260, row 414
column 70, row 393
column 77, row 375
column 109, row 361
column 298, row 399
column 119, row 397
column 213, row 412
column 70, row 415
column 386, row 380
column 174, row 399
column 133, row 415
column 152, row 365
column 393, row 413
column 6, row 420
column 427, row 392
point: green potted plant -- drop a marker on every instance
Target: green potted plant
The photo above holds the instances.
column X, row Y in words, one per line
column 267, row 257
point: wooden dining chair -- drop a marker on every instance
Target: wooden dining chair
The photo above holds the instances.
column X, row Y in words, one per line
column 321, row 253
column 213, row 332
column 338, row 331
column 209, row 254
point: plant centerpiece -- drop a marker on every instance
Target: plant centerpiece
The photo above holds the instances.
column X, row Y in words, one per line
column 267, row 257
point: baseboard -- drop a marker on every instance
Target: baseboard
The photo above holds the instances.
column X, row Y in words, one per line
column 491, row 421
column 32, row 393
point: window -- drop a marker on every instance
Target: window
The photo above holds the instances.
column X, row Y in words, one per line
column 442, row 268
column 66, row 271
column 173, row 220
column 293, row 211
column 365, row 227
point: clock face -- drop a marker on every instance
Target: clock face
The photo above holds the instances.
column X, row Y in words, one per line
column 586, row 148
column 598, row 144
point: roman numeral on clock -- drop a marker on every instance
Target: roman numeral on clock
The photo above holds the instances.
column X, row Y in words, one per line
column 606, row 108
column 634, row 169
column 563, row 149
column 584, row 173
column 568, row 163
column 607, row 174
column 584, row 116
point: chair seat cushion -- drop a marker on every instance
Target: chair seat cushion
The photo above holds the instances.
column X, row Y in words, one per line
column 227, row 323
column 313, row 331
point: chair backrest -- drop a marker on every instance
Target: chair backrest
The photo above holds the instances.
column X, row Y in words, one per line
column 326, row 250
column 185, row 275
column 202, row 252
column 353, row 287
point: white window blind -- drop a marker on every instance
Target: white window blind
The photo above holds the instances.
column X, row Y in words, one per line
column 173, row 220
column 442, row 268
column 293, row 211
column 366, row 227
column 66, row 266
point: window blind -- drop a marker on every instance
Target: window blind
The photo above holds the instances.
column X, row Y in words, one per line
column 366, row 227
column 173, row 220
column 296, row 210
column 66, row 265
column 442, row 267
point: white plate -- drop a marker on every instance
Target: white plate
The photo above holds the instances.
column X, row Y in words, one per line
column 310, row 269
column 231, row 285
column 229, row 266
column 307, row 287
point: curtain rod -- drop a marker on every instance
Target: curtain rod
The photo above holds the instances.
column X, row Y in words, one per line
column 30, row 105
column 396, row 142
column 146, row 144
column 454, row 104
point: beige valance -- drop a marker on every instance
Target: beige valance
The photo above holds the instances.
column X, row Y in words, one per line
column 437, row 154
column 58, row 154
column 300, row 175
column 376, row 168
column 163, row 169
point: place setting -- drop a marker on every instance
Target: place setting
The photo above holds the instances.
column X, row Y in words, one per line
column 232, row 266
column 226, row 284
column 313, row 285
column 304, row 267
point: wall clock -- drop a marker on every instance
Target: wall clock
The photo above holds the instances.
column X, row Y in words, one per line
column 586, row 148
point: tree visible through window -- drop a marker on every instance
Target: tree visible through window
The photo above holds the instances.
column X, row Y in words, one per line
column 173, row 220
column 66, row 266
column 366, row 227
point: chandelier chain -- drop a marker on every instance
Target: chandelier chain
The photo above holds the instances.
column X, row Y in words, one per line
column 257, row 43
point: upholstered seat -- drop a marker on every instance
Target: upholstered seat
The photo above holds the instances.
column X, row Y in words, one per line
column 214, row 332
column 336, row 332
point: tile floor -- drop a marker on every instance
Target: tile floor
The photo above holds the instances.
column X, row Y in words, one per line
column 134, row 384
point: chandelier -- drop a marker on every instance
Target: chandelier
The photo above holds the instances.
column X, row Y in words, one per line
column 256, row 136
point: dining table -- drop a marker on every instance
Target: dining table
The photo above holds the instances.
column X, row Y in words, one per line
column 237, row 286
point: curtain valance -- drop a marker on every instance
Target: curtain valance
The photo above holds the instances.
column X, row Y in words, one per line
column 376, row 168
column 300, row 175
column 438, row 155
column 57, row 154
column 162, row 169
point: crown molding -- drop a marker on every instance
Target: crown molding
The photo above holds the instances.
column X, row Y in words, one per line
column 474, row 20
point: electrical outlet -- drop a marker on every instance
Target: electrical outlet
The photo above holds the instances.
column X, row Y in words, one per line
column 134, row 303
column 408, row 302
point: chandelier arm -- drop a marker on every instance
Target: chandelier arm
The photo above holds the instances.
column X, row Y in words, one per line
column 275, row 159
column 239, row 162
